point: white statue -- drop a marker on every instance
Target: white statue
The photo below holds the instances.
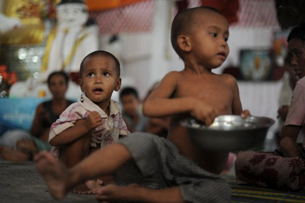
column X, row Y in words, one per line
column 8, row 23
column 70, row 40
column 66, row 46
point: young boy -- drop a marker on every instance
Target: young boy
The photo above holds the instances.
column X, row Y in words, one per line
column 286, row 169
column 132, row 110
column 95, row 120
column 173, row 169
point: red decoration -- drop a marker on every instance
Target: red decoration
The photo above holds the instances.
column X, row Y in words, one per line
column 94, row 5
column 7, row 78
column 228, row 8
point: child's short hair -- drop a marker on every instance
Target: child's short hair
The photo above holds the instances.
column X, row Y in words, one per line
column 62, row 73
column 100, row 53
column 298, row 32
column 127, row 91
column 182, row 23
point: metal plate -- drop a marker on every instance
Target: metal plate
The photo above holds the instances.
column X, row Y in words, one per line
column 229, row 133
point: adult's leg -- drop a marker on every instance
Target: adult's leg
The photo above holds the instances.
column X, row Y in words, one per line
column 270, row 170
column 27, row 146
column 9, row 154
column 60, row 179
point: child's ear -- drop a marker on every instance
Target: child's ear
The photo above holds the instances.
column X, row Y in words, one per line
column 80, row 83
column 118, row 84
column 184, row 43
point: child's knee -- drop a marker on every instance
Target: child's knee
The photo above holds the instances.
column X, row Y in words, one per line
column 75, row 152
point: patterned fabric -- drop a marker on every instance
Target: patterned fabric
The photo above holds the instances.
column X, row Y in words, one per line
column 112, row 128
column 270, row 170
column 158, row 164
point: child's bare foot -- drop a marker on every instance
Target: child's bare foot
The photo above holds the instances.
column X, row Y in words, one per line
column 9, row 154
column 54, row 173
column 82, row 189
column 114, row 193
column 94, row 185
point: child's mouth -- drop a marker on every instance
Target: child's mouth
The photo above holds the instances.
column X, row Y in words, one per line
column 222, row 55
column 98, row 90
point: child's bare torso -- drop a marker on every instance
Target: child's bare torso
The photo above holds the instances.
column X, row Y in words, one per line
column 213, row 90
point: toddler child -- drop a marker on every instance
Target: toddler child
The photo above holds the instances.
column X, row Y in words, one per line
column 95, row 120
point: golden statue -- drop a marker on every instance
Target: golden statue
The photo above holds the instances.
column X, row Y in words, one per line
column 23, row 21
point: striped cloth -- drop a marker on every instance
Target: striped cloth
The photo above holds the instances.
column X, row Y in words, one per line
column 158, row 164
column 247, row 193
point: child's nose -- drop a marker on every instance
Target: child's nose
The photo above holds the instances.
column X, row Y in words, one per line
column 98, row 79
column 223, row 43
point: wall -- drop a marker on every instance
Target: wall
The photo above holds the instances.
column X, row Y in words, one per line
column 138, row 54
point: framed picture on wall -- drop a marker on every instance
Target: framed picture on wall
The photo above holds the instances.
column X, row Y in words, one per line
column 256, row 64
column 280, row 45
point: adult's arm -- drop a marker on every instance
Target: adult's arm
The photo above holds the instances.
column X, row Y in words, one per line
column 37, row 127
column 288, row 143
column 294, row 121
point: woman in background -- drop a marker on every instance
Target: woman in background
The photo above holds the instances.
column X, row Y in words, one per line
column 20, row 145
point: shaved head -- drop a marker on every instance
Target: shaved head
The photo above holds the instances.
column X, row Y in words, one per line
column 185, row 21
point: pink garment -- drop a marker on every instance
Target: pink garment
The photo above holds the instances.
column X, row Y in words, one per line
column 296, row 114
column 230, row 161
column 271, row 169
column 113, row 127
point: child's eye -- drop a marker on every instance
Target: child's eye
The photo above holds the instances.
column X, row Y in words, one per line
column 91, row 74
column 213, row 34
column 106, row 74
column 226, row 39
column 298, row 53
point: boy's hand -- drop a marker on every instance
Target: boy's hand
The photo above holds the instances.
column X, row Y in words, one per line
column 44, row 115
column 204, row 113
column 245, row 113
column 93, row 120
column 282, row 112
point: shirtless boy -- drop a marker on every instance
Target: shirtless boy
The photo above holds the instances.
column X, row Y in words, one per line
column 173, row 169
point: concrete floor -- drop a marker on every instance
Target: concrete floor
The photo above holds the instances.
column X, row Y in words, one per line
column 20, row 182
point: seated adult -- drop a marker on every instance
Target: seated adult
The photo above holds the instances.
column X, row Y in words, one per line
column 284, row 169
column 20, row 145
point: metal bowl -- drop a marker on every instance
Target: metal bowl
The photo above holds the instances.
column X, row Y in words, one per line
column 229, row 133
